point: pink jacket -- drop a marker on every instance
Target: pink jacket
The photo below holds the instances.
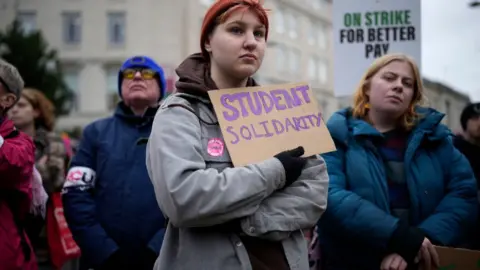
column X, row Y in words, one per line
column 16, row 165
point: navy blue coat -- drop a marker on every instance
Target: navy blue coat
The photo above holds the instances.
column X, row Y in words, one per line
column 108, row 197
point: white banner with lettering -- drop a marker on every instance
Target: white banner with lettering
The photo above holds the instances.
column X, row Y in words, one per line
column 367, row 29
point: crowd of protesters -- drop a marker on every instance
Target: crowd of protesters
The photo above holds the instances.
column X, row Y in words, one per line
column 144, row 190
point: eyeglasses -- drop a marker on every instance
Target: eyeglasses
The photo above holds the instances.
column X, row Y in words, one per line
column 145, row 73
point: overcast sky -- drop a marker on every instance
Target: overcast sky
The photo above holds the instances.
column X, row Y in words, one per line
column 451, row 44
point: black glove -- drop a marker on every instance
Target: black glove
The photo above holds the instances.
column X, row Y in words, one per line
column 293, row 163
column 406, row 241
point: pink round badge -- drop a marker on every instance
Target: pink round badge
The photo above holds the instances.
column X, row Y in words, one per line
column 215, row 147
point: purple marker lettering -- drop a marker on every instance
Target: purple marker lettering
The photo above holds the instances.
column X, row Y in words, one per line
column 288, row 123
column 267, row 101
column 230, row 130
column 297, row 101
column 277, row 98
column 304, row 89
column 318, row 118
column 289, row 100
column 300, row 122
column 257, row 107
column 254, row 131
column 305, row 122
column 267, row 133
column 296, row 121
column 224, row 99
column 278, row 126
column 239, row 96
column 310, row 118
column 242, row 132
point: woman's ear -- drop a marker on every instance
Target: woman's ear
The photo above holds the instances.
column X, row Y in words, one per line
column 366, row 88
column 8, row 100
column 207, row 46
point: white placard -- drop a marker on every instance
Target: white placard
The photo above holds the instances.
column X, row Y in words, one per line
column 367, row 29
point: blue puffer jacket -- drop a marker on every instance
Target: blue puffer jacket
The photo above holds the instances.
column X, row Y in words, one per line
column 357, row 226
column 109, row 199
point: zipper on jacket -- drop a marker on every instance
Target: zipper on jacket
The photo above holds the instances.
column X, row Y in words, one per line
column 412, row 145
column 384, row 182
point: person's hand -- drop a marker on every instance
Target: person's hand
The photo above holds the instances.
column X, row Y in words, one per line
column 293, row 163
column 428, row 256
column 393, row 262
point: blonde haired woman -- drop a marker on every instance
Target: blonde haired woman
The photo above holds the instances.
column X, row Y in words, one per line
column 397, row 184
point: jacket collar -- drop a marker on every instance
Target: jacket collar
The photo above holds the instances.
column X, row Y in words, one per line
column 126, row 114
column 342, row 124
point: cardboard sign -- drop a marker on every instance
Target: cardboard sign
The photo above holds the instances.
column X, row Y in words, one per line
column 368, row 29
column 259, row 122
column 458, row 259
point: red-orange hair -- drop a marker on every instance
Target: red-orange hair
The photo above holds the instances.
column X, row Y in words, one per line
column 361, row 102
column 221, row 10
column 45, row 107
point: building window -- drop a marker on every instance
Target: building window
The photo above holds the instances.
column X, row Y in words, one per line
column 448, row 113
column 324, row 107
column 207, row 2
column 112, row 86
column 292, row 25
column 322, row 37
column 282, row 59
column 28, row 21
column 312, row 33
column 318, row 4
column 72, row 28
column 312, row 69
column 317, row 70
column 70, row 77
column 295, row 58
column 322, row 70
column 199, row 27
column 116, row 28
column 280, row 21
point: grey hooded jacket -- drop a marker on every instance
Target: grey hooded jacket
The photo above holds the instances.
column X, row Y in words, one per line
column 197, row 191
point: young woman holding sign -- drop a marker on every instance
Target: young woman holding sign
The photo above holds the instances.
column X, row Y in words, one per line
column 222, row 217
column 398, row 186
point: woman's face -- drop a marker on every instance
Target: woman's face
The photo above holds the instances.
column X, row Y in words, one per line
column 391, row 89
column 23, row 114
column 237, row 46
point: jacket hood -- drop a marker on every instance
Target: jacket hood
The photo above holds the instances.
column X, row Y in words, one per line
column 342, row 124
column 143, row 62
column 194, row 76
